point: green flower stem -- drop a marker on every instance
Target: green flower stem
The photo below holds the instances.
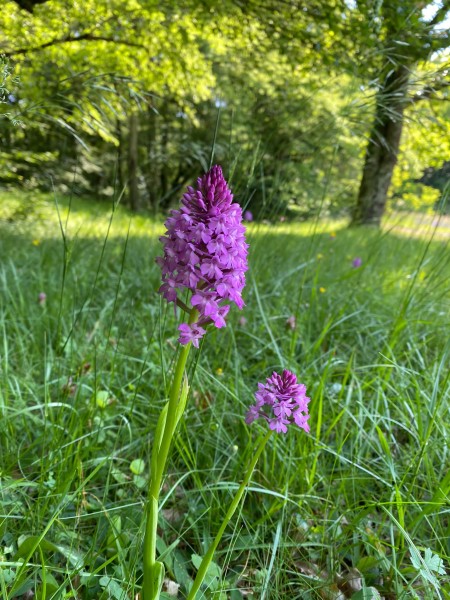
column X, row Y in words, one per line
column 150, row 588
column 233, row 506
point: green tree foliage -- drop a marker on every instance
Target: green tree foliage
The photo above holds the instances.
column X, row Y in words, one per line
column 86, row 67
column 126, row 95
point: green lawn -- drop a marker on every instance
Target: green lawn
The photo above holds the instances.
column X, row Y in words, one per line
column 362, row 500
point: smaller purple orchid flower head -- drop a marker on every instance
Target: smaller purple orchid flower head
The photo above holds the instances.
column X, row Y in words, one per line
column 205, row 252
column 357, row 262
column 42, row 298
column 248, row 215
column 281, row 401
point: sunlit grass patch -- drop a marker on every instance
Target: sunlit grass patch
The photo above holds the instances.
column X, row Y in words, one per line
column 47, row 214
column 418, row 225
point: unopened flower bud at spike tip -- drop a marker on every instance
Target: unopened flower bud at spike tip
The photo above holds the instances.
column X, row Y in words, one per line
column 205, row 252
column 281, row 401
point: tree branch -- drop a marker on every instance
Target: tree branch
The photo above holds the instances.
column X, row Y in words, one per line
column 428, row 92
column 440, row 42
column 440, row 14
column 69, row 39
column 28, row 5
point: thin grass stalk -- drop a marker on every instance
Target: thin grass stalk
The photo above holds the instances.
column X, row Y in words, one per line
column 232, row 509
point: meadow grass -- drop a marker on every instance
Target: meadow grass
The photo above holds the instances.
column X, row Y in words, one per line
column 362, row 500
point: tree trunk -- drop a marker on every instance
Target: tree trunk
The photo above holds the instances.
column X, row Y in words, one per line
column 133, row 192
column 382, row 148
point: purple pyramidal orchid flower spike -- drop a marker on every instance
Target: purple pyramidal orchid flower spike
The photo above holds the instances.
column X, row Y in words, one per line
column 205, row 252
column 281, row 401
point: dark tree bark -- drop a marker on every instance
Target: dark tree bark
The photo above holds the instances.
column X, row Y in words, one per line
column 28, row 5
column 133, row 148
column 382, row 148
column 89, row 37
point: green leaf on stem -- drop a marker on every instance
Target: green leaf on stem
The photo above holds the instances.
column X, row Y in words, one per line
column 159, row 572
column 158, row 437
column 183, row 399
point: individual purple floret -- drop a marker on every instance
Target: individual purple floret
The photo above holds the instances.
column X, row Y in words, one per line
column 190, row 333
column 357, row 262
column 281, row 401
column 205, row 252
